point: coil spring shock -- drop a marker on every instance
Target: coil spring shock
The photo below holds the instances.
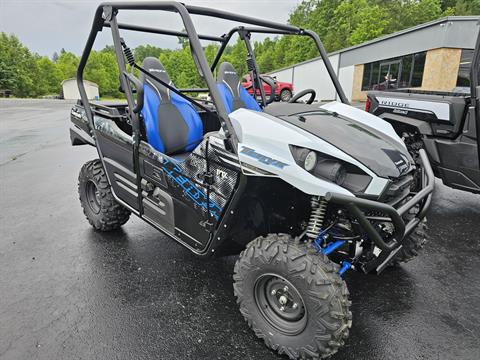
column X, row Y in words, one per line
column 315, row 223
column 128, row 54
column 250, row 64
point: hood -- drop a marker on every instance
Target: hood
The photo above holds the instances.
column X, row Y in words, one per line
column 381, row 153
column 283, row 83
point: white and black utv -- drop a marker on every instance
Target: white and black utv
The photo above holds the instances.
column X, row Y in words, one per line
column 445, row 124
column 302, row 191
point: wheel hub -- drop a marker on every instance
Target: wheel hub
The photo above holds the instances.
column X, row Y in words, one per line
column 93, row 196
column 280, row 303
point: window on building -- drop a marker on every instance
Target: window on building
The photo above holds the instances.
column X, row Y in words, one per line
column 367, row 74
column 417, row 71
column 400, row 72
column 466, row 59
column 406, row 75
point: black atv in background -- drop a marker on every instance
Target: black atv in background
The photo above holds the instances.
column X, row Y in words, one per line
column 445, row 124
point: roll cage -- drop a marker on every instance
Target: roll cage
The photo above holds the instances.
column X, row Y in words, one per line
column 106, row 17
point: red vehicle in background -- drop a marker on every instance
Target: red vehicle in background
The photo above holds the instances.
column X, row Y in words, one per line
column 283, row 90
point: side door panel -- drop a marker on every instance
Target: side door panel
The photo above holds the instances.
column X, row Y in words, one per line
column 175, row 196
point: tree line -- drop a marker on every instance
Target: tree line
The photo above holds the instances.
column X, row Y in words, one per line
column 339, row 23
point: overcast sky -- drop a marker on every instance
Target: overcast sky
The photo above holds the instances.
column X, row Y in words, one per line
column 46, row 26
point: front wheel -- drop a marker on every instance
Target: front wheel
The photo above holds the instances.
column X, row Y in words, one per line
column 413, row 244
column 292, row 297
column 103, row 212
column 285, row 95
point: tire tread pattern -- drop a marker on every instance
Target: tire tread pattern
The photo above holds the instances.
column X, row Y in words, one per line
column 112, row 215
column 325, row 289
column 413, row 244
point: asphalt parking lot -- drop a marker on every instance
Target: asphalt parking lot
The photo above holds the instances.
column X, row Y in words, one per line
column 68, row 292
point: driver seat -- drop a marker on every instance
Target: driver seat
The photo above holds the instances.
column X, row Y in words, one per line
column 172, row 124
column 233, row 94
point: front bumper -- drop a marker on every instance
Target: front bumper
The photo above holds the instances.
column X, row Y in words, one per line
column 402, row 230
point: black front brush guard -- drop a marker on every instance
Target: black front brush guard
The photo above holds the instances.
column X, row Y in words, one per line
column 356, row 206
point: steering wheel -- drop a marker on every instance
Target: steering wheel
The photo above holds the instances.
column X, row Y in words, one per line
column 302, row 94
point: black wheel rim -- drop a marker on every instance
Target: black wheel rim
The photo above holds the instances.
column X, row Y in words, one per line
column 93, row 196
column 280, row 303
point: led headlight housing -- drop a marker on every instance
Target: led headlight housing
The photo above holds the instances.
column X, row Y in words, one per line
column 331, row 169
column 306, row 158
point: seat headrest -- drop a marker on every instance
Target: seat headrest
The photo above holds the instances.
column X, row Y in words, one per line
column 155, row 67
column 228, row 76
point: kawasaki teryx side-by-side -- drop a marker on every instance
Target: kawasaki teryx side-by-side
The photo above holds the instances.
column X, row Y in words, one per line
column 302, row 191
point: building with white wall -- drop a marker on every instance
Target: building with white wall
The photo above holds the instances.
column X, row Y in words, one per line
column 431, row 56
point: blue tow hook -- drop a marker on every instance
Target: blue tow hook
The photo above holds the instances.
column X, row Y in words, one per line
column 345, row 266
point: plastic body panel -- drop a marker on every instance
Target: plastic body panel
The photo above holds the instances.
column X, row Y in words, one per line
column 449, row 136
column 443, row 112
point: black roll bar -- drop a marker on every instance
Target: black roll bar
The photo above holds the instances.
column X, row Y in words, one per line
column 110, row 9
column 96, row 27
column 291, row 31
column 328, row 65
column 151, row 30
column 198, row 10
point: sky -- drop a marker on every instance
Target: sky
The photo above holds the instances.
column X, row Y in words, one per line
column 46, row 26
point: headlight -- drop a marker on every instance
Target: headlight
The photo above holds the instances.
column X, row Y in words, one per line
column 329, row 168
column 310, row 161
column 305, row 158
column 332, row 170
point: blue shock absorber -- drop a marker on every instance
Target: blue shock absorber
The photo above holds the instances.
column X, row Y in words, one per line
column 317, row 244
column 330, row 248
column 345, row 266
column 327, row 250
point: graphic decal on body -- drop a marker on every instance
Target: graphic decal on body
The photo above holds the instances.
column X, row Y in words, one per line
column 440, row 109
column 190, row 190
column 400, row 160
column 262, row 158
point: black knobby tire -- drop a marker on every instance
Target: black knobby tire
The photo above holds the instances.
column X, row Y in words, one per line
column 103, row 212
column 285, row 95
column 413, row 244
column 313, row 283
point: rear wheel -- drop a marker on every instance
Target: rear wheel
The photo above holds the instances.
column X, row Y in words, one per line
column 285, row 95
column 292, row 297
column 96, row 197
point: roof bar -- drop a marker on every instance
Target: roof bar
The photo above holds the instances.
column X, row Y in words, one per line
column 151, row 30
column 198, row 10
column 262, row 30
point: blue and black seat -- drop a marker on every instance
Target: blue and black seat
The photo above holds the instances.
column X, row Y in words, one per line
column 172, row 124
column 234, row 95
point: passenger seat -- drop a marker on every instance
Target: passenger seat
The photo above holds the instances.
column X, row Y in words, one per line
column 233, row 94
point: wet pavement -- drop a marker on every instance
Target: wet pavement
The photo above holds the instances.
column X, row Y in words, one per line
column 67, row 292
